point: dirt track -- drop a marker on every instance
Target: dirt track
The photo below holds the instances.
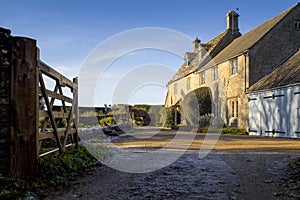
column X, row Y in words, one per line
column 239, row 167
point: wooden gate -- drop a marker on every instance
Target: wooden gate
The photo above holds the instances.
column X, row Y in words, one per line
column 70, row 113
column 24, row 125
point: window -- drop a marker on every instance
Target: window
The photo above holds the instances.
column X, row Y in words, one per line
column 201, row 78
column 188, row 83
column 187, row 62
column 215, row 73
column 175, row 88
column 297, row 25
column 234, row 66
column 234, row 108
column 231, row 68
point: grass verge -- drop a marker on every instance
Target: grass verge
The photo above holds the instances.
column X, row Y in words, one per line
column 57, row 171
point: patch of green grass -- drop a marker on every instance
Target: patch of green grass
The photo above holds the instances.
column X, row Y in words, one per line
column 10, row 189
column 57, row 171
column 234, row 131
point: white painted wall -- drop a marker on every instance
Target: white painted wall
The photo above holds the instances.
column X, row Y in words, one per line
column 281, row 113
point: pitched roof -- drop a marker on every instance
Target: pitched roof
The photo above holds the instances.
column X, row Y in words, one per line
column 215, row 45
column 211, row 47
column 211, row 44
column 248, row 40
column 287, row 73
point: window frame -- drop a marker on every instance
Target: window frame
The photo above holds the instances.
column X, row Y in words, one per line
column 175, row 88
column 237, row 66
column 188, row 83
column 234, row 67
column 232, row 108
column 235, row 108
column 215, row 73
column 202, row 78
column 297, row 25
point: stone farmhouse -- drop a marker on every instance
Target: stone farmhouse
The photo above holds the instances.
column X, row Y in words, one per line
column 231, row 63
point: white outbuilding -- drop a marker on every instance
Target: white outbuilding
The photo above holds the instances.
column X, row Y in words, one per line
column 274, row 101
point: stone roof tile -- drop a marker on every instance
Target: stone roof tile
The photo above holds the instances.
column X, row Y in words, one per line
column 287, row 73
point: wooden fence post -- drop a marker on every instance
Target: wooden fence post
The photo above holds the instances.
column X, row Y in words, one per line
column 24, row 91
column 5, row 101
column 76, row 111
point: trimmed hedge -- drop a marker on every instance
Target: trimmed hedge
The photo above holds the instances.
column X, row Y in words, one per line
column 234, row 131
column 195, row 104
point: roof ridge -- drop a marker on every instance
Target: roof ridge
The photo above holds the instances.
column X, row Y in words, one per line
column 249, row 39
column 222, row 33
column 281, row 16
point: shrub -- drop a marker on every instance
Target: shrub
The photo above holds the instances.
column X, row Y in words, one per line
column 142, row 107
column 155, row 114
column 167, row 117
column 195, row 104
column 56, row 171
column 235, row 131
column 108, row 121
column 204, row 120
column 11, row 189
column 140, row 117
column 62, row 123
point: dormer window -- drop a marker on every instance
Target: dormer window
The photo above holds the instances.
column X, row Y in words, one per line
column 186, row 62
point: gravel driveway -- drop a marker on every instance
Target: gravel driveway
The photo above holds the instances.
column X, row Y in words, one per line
column 239, row 167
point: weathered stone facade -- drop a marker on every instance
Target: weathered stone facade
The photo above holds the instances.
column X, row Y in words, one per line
column 274, row 101
column 241, row 62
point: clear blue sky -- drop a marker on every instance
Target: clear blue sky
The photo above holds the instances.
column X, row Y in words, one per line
column 67, row 31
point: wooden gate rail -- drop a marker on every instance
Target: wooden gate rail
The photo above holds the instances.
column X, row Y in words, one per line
column 70, row 114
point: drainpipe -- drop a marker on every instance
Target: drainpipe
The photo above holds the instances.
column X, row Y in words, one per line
column 246, row 56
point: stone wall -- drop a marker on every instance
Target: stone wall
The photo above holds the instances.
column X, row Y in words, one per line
column 232, row 88
column 276, row 46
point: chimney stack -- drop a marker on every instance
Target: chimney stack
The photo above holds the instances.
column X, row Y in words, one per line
column 196, row 43
column 232, row 19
